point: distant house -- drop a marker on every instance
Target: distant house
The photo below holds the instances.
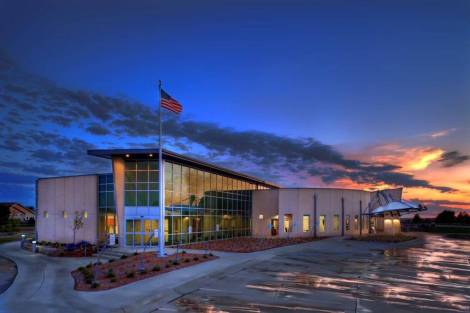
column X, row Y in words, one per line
column 17, row 211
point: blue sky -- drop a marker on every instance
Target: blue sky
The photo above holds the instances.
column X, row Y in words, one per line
column 349, row 74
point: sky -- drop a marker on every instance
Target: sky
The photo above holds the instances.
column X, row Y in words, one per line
column 353, row 94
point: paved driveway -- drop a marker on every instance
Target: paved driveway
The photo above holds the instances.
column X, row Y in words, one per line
column 344, row 276
column 333, row 275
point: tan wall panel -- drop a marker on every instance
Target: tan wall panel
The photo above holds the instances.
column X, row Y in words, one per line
column 265, row 202
column 70, row 194
column 118, row 171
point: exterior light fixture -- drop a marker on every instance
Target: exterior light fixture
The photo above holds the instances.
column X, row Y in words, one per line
column 261, row 216
column 127, row 155
column 65, row 214
column 23, row 236
column 150, row 155
column 85, row 214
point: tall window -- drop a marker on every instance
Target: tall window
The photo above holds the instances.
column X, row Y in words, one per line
column 288, row 223
column 356, row 222
column 322, row 222
column 106, row 209
column 348, row 222
column 306, row 223
column 141, row 183
column 336, row 222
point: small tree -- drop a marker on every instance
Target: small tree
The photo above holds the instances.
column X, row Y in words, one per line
column 445, row 217
column 77, row 224
column 417, row 219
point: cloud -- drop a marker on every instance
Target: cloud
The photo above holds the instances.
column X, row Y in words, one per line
column 453, row 158
column 54, row 144
column 97, row 129
column 442, row 133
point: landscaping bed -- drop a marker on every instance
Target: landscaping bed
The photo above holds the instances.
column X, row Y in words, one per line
column 129, row 269
column 248, row 244
column 384, row 238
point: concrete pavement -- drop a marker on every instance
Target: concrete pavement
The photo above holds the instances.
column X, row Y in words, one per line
column 331, row 275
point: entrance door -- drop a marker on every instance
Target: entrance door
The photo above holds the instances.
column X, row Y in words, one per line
column 274, row 226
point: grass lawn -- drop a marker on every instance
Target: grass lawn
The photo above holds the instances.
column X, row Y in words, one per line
column 385, row 238
column 4, row 239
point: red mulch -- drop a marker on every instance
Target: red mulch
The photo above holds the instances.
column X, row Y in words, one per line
column 248, row 244
column 122, row 267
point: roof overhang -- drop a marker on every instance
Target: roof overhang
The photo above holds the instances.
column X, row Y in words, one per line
column 398, row 207
column 152, row 153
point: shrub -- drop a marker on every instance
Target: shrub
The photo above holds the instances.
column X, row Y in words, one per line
column 123, row 256
column 175, row 262
column 88, row 265
column 196, row 258
column 136, row 253
column 111, row 261
column 183, row 252
column 88, row 280
column 110, row 273
column 143, row 272
column 113, row 280
column 130, row 275
column 95, row 284
column 186, row 260
column 98, row 263
column 61, row 254
column 168, row 265
column 210, row 254
column 170, row 261
column 156, row 268
column 205, row 256
column 81, row 269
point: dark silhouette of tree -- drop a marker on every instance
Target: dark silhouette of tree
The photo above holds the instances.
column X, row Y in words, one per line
column 463, row 218
column 4, row 215
column 445, row 217
column 417, row 219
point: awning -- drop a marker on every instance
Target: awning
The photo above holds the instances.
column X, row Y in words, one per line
column 400, row 207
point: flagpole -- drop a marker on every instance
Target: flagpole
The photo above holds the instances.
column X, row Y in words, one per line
column 161, row 220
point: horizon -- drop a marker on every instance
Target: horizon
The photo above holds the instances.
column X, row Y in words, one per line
column 314, row 94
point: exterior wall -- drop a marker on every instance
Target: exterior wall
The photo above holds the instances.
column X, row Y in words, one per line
column 67, row 194
column 298, row 202
column 330, row 202
column 265, row 202
column 118, row 172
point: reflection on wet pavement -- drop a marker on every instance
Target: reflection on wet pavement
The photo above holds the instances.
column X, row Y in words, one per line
column 347, row 277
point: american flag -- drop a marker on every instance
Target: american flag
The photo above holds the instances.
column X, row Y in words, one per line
column 167, row 102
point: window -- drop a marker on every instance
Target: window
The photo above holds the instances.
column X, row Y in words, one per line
column 322, row 223
column 261, row 216
column 336, row 222
column 85, row 214
column 65, row 214
column 46, row 214
column 306, row 223
column 356, row 222
column 288, row 223
column 348, row 222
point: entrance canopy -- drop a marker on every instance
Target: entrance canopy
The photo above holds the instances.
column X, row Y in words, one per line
column 399, row 207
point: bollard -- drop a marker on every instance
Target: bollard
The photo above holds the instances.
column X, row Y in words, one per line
column 23, row 236
column 34, row 246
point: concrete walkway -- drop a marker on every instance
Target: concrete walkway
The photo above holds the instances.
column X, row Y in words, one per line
column 44, row 284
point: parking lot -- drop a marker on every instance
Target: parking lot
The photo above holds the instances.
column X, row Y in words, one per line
column 342, row 276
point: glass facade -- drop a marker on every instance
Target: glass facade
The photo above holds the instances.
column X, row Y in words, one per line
column 106, row 208
column 200, row 205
